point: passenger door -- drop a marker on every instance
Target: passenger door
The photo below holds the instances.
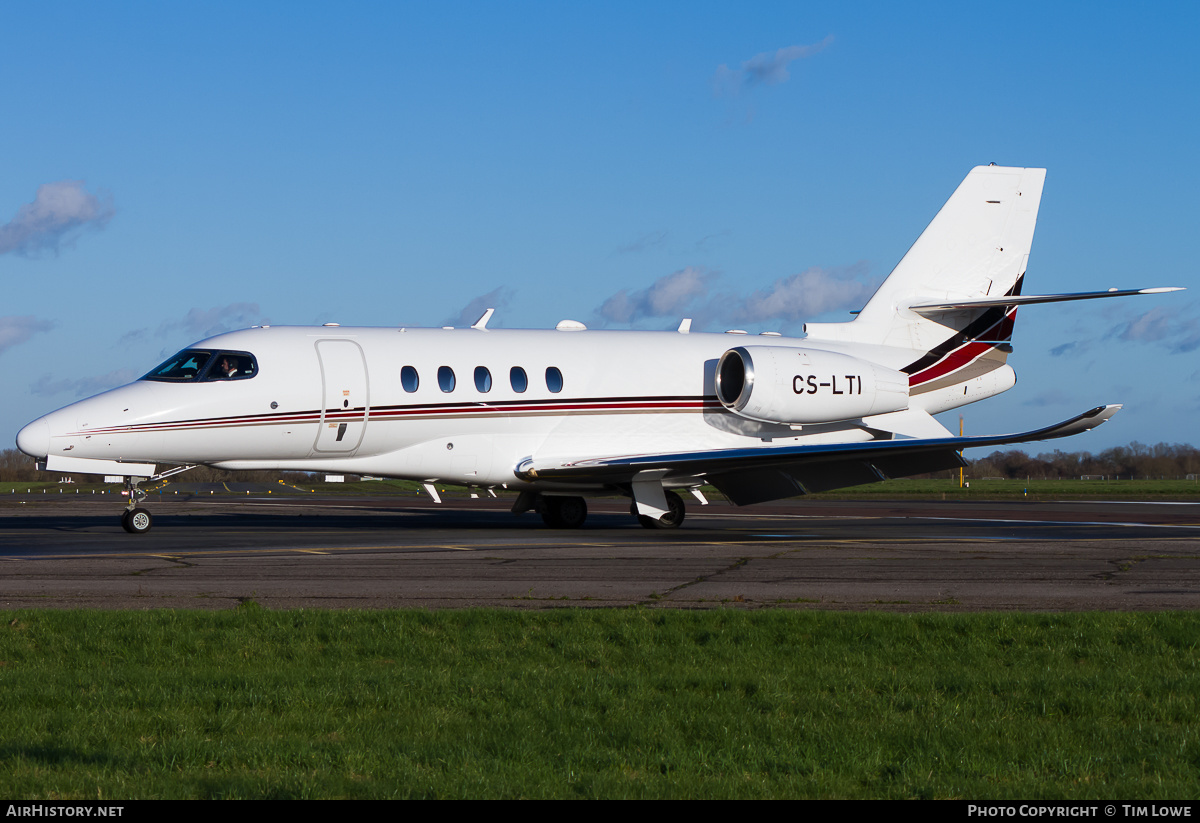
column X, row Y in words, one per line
column 346, row 400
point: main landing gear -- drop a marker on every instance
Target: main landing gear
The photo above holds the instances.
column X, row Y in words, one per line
column 671, row 520
column 561, row 512
column 564, row 512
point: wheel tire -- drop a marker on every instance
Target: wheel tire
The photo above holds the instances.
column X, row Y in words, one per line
column 137, row 521
column 564, row 512
column 671, row 520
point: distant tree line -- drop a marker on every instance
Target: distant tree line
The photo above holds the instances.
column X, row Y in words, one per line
column 1136, row 460
column 1172, row 462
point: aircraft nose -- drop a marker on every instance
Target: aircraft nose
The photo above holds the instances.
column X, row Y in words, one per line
column 34, row 439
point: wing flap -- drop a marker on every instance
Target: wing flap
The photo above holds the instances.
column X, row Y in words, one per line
column 744, row 488
column 758, row 486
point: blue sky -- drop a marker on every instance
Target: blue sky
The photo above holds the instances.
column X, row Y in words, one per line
column 178, row 169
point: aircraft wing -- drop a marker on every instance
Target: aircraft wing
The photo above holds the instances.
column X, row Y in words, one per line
column 748, row 476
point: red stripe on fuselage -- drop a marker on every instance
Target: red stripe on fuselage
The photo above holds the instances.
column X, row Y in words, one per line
column 965, row 354
column 479, row 409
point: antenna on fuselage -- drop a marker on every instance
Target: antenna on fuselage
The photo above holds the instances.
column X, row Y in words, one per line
column 482, row 322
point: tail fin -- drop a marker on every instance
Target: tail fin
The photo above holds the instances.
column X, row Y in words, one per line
column 977, row 246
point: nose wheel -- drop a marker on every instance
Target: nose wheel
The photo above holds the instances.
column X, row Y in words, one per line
column 135, row 520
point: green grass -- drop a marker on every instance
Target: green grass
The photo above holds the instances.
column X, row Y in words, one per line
column 597, row 703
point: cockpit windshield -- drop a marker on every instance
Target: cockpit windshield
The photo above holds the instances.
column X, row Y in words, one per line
column 203, row 365
column 187, row 365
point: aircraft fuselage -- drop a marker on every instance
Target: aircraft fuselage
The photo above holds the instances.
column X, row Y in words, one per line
column 338, row 399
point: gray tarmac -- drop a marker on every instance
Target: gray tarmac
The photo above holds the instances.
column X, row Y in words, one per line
column 301, row 552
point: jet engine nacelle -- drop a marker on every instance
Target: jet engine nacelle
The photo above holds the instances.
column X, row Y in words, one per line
column 775, row 384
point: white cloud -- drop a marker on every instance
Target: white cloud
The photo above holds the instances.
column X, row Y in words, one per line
column 84, row 386
column 1153, row 325
column 16, row 329
column 497, row 298
column 668, row 296
column 809, row 293
column 58, row 214
column 1177, row 328
column 687, row 293
column 200, row 323
column 1073, row 347
column 765, row 69
column 1174, row 327
column 1053, row 397
column 645, row 242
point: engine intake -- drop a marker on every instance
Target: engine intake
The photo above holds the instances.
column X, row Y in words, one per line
column 775, row 384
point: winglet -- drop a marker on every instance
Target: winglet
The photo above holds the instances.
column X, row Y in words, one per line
column 1084, row 422
column 482, row 322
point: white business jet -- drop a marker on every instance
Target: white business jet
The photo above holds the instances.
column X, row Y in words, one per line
column 560, row 415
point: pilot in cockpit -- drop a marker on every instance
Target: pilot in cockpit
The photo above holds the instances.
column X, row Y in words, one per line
column 228, row 367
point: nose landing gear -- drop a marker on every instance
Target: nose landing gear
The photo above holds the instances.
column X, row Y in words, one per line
column 135, row 520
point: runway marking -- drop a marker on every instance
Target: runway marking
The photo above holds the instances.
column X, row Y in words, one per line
column 543, row 541
column 789, row 536
column 1139, row 502
column 1058, row 522
column 412, row 549
column 731, row 515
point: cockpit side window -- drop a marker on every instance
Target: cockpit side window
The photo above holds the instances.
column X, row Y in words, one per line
column 232, row 365
column 188, row 365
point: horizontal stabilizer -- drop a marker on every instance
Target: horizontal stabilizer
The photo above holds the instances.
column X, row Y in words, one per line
column 1013, row 300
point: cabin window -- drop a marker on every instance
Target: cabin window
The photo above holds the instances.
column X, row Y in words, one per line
column 446, row 378
column 554, row 381
column 483, row 379
column 518, row 379
column 409, row 379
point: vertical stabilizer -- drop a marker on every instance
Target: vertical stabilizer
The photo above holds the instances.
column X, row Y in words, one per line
column 977, row 246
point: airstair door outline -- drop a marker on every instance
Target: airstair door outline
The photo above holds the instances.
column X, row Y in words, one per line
column 346, row 400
